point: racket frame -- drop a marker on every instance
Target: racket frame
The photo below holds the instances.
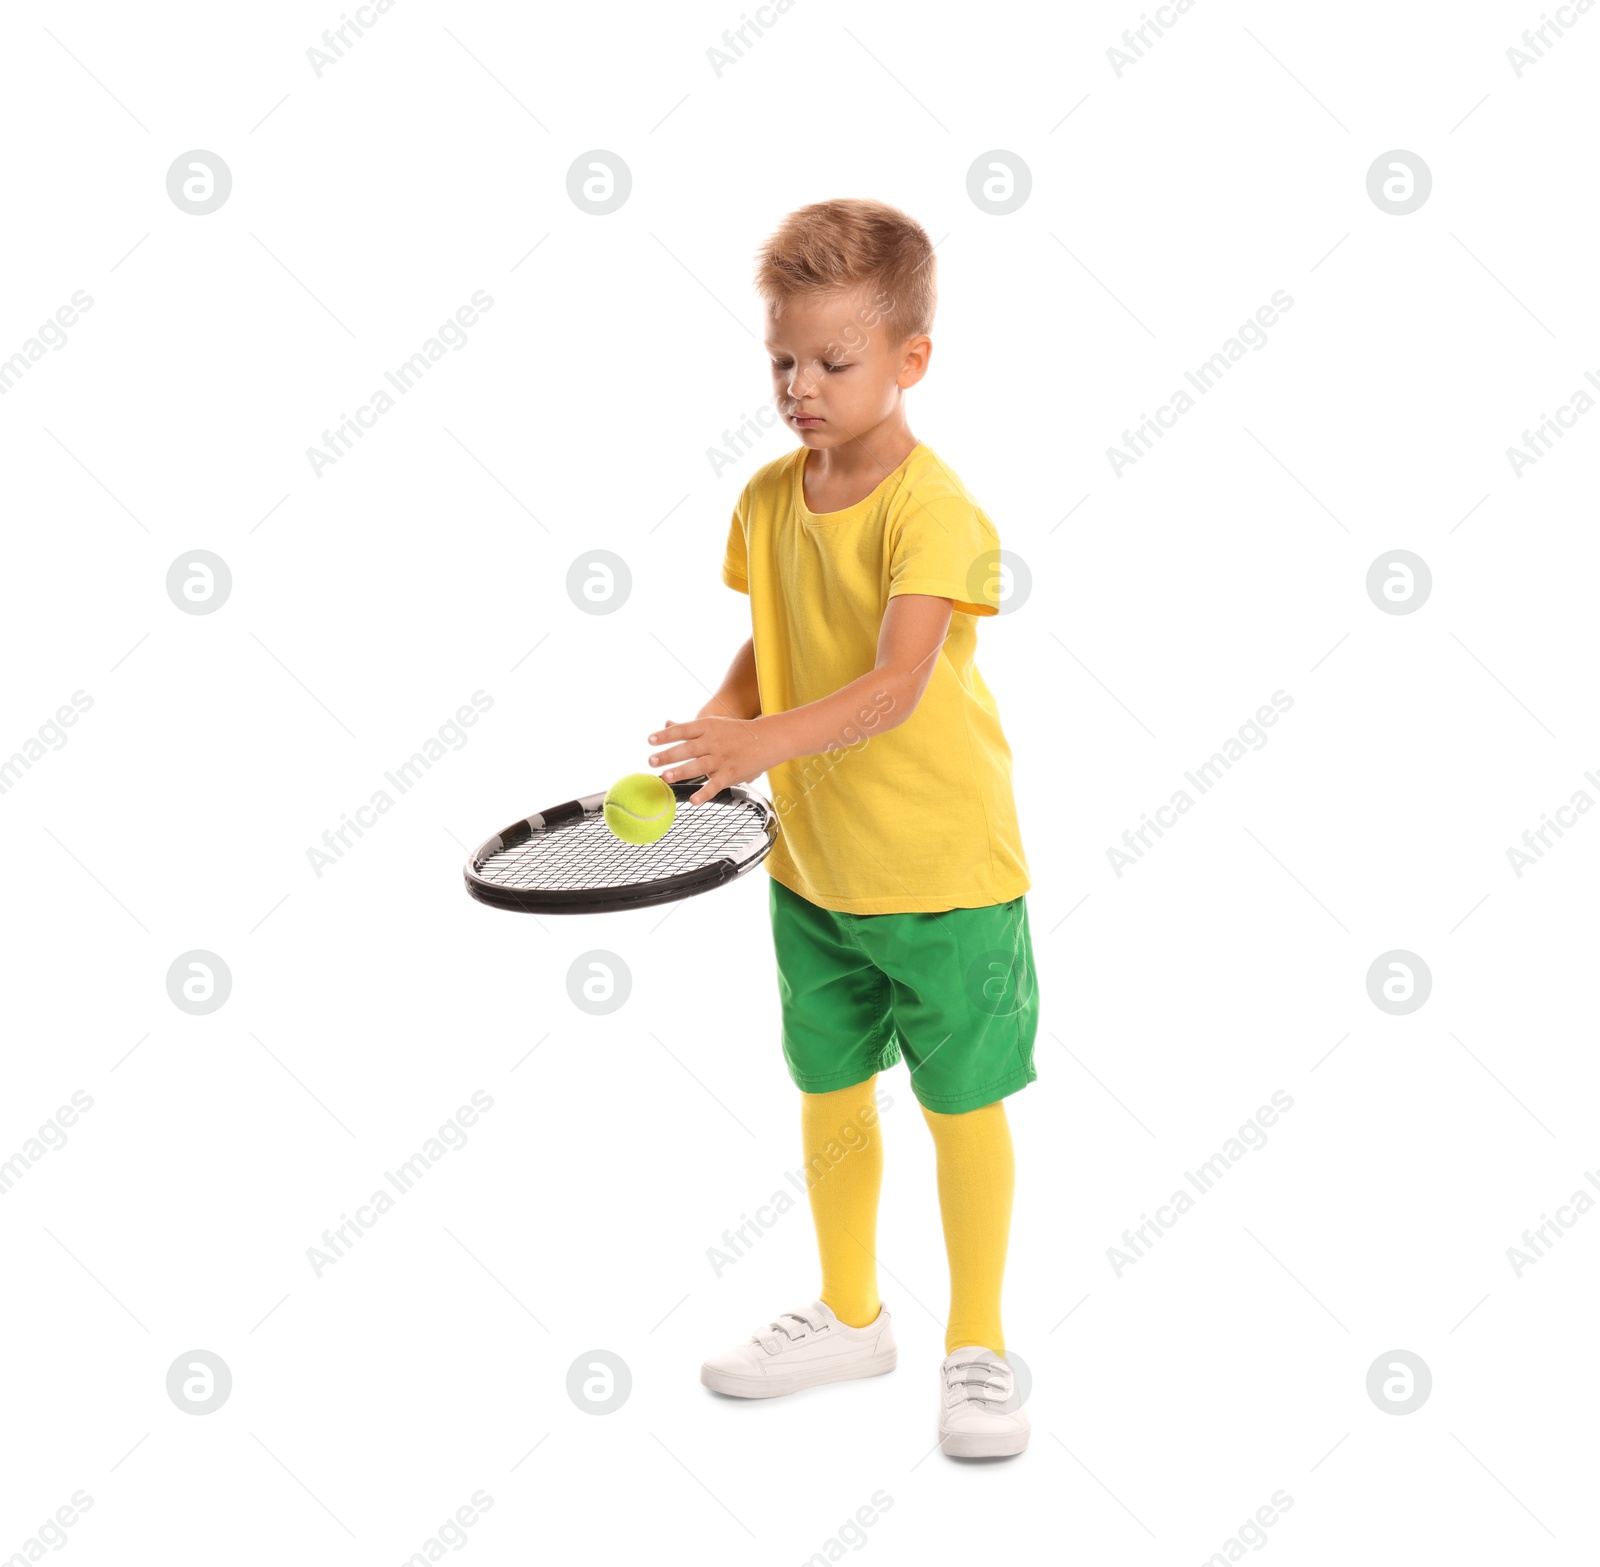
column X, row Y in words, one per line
column 610, row 900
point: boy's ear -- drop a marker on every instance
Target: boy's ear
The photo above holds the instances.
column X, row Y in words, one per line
column 914, row 361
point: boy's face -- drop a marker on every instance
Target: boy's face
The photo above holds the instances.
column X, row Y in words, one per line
column 838, row 367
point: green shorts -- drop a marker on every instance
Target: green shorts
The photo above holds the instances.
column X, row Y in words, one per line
column 955, row 993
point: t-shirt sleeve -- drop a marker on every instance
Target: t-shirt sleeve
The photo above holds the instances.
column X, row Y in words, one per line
column 736, row 557
column 948, row 548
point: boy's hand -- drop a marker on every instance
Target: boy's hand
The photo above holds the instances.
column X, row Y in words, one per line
column 726, row 750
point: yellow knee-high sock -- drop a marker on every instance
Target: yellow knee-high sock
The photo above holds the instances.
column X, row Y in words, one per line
column 843, row 1145
column 977, row 1175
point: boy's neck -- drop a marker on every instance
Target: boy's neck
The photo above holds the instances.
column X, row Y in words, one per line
column 865, row 459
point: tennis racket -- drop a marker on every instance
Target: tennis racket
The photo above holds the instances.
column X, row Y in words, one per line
column 565, row 860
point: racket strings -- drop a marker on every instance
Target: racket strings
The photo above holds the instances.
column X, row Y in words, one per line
column 585, row 853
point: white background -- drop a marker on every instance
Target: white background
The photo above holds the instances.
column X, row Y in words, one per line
column 369, row 603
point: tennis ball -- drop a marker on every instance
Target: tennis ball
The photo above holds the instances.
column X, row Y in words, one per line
column 640, row 807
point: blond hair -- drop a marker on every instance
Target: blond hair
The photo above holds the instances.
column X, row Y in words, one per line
column 835, row 247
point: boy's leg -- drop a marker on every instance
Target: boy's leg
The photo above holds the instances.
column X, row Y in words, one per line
column 977, row 1175
column 837, row 1036
column 965, row 1006
column 846, row 1332
column 843, row 1146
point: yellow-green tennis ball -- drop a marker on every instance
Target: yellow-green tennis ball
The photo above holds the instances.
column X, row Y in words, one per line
column 640, row 807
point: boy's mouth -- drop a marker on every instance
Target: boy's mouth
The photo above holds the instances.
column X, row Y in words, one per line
column 805, row 421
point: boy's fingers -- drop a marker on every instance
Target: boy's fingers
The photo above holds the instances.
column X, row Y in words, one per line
column 672, row 731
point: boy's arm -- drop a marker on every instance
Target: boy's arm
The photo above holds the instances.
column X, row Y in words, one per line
column 731, row 748
column 739, row 695
column 909, row 640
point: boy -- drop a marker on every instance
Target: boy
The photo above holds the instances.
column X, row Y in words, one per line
column 896, row 885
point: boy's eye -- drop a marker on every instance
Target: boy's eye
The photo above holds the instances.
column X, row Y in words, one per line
column 781, row 364
column 834, row 369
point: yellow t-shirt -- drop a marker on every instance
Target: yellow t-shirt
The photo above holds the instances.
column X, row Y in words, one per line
column 915, row 819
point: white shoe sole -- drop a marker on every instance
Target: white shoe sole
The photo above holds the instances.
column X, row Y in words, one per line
column 737, row 1386
column 984, row 1444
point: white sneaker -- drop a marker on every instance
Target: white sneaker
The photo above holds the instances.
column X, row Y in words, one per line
column 981, row 1416
column 801, row 1349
